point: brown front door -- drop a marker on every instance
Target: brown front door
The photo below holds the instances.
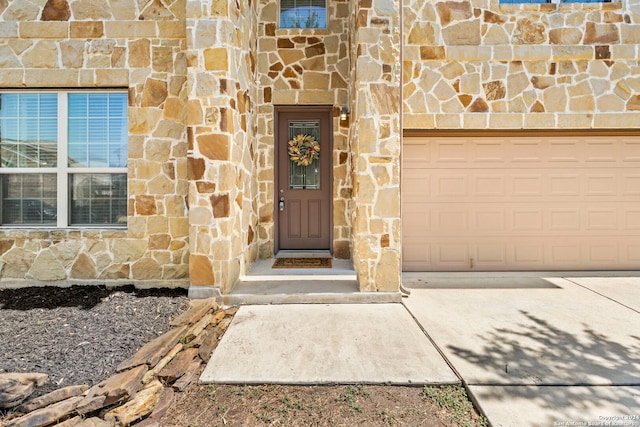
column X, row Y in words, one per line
column 303, row 192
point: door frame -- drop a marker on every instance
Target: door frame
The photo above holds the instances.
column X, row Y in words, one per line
column 321, row 110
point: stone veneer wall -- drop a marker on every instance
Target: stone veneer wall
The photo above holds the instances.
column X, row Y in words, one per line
column 137, row 46
column 303, row 67
column 479, row 64
column 223, row 199
column 375, row 143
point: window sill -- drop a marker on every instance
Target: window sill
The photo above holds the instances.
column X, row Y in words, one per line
column 302, row 32
column 57, row 233
column 557, row 7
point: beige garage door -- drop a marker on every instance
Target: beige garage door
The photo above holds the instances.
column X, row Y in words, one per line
column 521, row 201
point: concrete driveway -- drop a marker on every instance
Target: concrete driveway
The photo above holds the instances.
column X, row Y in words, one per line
column 538, row 351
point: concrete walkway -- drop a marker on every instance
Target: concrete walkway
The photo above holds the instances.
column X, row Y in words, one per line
column 542, row 350
column 534, row 351
column 325, row 344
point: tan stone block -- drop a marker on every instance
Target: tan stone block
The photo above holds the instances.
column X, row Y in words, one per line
column 86, row 29
column 200, row 271
column 496, row 35
column 625, row 51
column 139, row 53
column 146, row 269
column 161, row 185
column 582, row 104
column 83, row 267
column 506, row 121
column 309, row 97
column 388, row 271
column 9, row 29
column 216, row 59
column 126, row 250
column 540, row 121
column 112, row 78
column 214, row 146
column 601, row 33
column 44, row 30
column 387, row 204
column 219, row 8
column 614, row 120
column 158, row 224
column 475, row 121
column 462, row 33
column 171, row 29
column 143, row 120
column 365, row 247
column 609, row 103
column 162, row 58
column 44, row 54
column 145, row 205
column 174, row 109
column 633, row 104
column 50, row 78
column 565, row 36
column 532, row 53
column 555, row 99
column 418, row 121
column 130, row 29
column 179, row 227
column 450, row 11
column 194, row 112
column 221, row 250
column 313, row 80
column 448, row 121
column 572, row 52
column 199, row 215
column 623, row 90
column 574, row 121
column 21, row 11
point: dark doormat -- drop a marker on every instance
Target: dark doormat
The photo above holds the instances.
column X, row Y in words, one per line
column 302, row 263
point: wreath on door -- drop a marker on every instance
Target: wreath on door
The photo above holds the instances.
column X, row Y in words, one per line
column 304, row 149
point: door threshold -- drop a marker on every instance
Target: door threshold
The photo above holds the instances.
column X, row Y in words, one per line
column 262, row 271
column 298, row 253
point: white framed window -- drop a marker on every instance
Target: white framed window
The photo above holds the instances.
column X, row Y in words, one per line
column 63, row 158
column 303, row 14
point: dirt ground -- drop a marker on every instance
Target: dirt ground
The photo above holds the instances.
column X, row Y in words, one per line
column 340, row 405
column 78, row 335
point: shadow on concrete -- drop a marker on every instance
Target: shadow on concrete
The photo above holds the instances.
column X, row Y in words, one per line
column 536, row 353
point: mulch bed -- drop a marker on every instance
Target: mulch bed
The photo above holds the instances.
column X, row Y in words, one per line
column 78, row 335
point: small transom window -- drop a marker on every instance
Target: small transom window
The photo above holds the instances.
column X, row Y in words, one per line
column 303, row 14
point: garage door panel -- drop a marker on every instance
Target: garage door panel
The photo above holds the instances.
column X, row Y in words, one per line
column 631, row 186
column 632, row 219
column 630, row 150
column 521, row 203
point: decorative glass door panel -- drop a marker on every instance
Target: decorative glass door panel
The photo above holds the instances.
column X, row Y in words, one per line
column 301, row 176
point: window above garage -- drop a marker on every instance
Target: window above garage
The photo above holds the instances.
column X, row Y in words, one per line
column 303, row 14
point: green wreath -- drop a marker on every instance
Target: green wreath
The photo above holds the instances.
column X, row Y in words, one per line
column 304, row 149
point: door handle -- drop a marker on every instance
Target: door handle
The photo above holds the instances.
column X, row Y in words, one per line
column 281, row 204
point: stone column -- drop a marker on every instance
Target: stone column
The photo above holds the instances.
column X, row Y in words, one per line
column 220, row 40
column 375, row 144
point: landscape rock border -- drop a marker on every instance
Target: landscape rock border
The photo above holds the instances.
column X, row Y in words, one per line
column 144, row 386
